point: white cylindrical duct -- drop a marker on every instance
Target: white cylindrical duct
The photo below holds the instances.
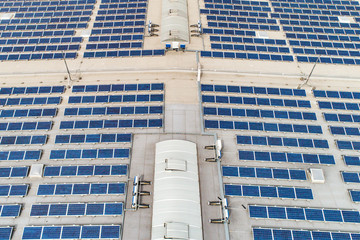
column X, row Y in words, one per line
column 174, row 21
column 176, row 204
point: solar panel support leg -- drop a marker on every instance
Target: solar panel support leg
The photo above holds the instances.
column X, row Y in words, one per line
column 214, row 203
column 210, row 159
column 210, row 147
column 144, row 193
column 145, row 182
column 217, row 220
column 144, row 205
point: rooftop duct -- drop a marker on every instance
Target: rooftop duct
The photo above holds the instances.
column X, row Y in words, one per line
column 174, row 21
column 176, row 205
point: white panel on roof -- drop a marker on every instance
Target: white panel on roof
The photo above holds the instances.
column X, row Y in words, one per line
column 36, row 170
column 345, row 19
column 317, row 175
column 262, row 34
column 7, row 16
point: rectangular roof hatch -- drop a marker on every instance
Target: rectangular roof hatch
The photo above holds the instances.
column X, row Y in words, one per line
column 175, row 165
column 176, row 230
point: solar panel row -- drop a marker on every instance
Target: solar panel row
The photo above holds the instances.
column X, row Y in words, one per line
column 32, row 90
column 131, row 53
column 23, row 126
column 268, row 191
column 20, row 155
column 37, row 56
column 336, row 117
column 257, row 101
column 20, row 190
column 270, row 234
column 93, row 138
column 283, row 141
column 260, row 113
column 10, row 172
column 76, row 209
column 44, row 20
column 85, row 170
column 20, row 140
column 90, row 153
column 80, row 189
column 263, row 126
column 51, row 14
column 253, row 90
column 128, row 123
column 259, row 172
column 42, row 40
column 324, row 44
column 33, row 112
column 119, row 87
column 248, row 40
column 300, row 213
column 43, row 48
column 29, row 101
column 72, row 232
column 287, row 157
column 117, row 98
column 336, row 94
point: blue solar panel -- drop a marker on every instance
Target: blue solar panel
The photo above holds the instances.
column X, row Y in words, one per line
column 355, row 195
column 6, row 232
column 10, row 210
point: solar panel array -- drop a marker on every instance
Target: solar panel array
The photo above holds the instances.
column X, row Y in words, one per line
column 89, row 157
column 314, row 31
column 270, row 129
column 54, row 29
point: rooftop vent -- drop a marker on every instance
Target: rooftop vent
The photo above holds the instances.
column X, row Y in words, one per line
column 344, row 19
column 6, row 16
column 36, row 170
column 175, row 165
column 317, row 175
column 86, row 33
column 262, row 34
column 173, row 12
